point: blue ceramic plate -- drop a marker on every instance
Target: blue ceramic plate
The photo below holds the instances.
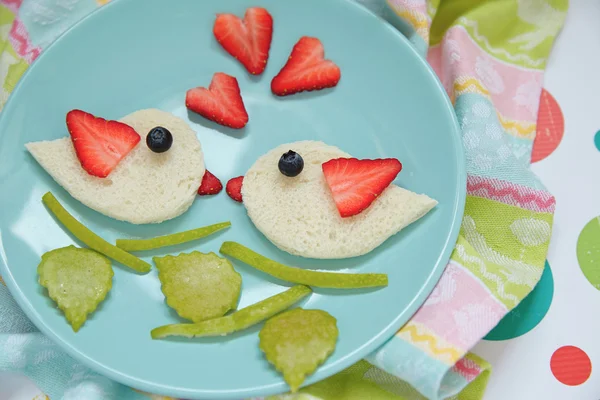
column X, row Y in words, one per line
column 135, row 54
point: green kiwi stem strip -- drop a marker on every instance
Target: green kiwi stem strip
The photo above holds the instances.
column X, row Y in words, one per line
column 170, row 240
column 240, row 320
column 92, row 240
column 302, row 276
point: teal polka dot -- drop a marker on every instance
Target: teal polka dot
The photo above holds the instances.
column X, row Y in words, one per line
column 597, row 140
column 529, row 312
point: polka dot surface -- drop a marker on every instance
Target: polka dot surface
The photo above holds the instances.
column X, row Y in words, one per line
column 530, row 311
column 550, row 127
column 570, row 365
column 597, row 140
column 588, row 252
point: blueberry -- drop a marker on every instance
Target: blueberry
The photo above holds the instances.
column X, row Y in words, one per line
column 159, row 139
column 291, row 164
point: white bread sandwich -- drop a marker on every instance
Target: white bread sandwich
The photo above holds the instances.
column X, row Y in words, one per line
column 300, row 214
column 145, row 185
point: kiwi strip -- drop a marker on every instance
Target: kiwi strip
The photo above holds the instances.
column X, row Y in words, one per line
column 170, row 240
column 92, row 240
column 240, row 320
column 302, row 276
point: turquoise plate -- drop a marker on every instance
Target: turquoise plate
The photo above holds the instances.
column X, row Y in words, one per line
column 135, row 54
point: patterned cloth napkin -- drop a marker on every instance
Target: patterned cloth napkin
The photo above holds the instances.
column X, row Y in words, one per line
column 490, row 56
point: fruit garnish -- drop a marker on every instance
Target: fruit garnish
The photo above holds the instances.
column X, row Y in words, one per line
column 234, row 188
column 302, row 276
column 239, row 320
column 99, row 144
column 248, row 40
column 77, row 280
column 199, row 286
column 297, row 341
column 159, row 139
column 170, row 240
column 306, row 69
column 92, row 240
column 210, row 185
column 355, row 184
column 221, row 103
column 291, row 164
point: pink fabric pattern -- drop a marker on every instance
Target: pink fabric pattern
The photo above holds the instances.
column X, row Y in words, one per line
column 19, row 39
column 515, row 91
column 460, row 301
column 12, row 5
column 511, row 194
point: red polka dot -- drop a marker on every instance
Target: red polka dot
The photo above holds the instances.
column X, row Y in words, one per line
column 570, row 365
column 550, row 127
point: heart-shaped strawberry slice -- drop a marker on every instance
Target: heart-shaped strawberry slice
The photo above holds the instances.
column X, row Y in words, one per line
column 221, row 102
column 248, row 40
column 306, row 69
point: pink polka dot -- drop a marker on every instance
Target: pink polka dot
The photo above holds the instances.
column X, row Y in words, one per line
column 570, row 365
column 550, row 127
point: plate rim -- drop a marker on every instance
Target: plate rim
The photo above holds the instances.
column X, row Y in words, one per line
column 321, row 373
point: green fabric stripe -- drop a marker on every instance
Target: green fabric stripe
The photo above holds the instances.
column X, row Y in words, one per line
column 516, row 31
column 511, row 231
column 503, row 246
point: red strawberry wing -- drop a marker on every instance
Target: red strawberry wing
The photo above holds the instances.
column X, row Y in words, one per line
column 99, row 144
column 356, row 184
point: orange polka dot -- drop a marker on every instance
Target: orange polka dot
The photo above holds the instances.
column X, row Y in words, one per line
column 550, row 127
column 570, row 365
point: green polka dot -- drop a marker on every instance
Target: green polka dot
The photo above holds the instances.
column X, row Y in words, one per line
column 597, row 140
column 529, row 312
column 588, row 252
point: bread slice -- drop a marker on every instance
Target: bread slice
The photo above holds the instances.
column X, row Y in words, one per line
column 299, row 215
column 145, row 187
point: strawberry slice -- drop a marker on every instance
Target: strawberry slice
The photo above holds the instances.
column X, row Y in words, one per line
column 249, row 40
column 210, row 185
column 355, row 184
column 234, row 188
column 306, row 69
column 221, row 102
column 99, row 144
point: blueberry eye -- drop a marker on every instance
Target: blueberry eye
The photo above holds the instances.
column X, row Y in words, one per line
column 159, row 139
column 291, row 164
